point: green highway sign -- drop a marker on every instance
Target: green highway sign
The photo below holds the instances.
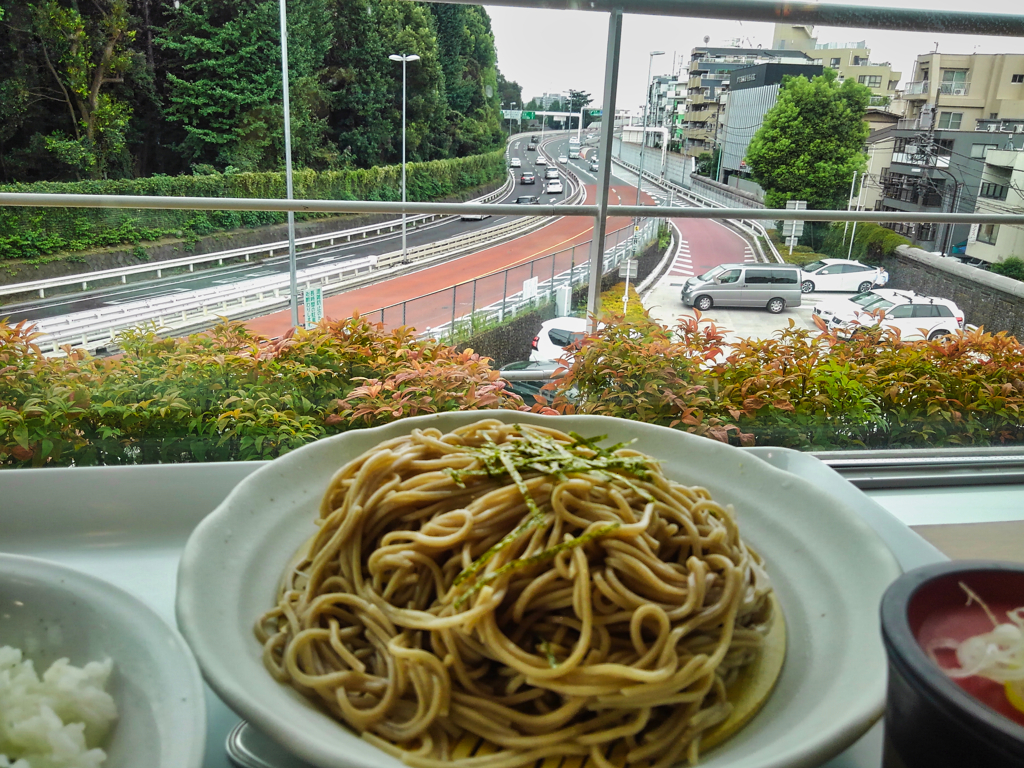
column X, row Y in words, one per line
column 529, row 115
column 595, row 113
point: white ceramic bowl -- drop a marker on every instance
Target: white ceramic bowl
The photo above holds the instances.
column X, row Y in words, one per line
column 51, row 612
column 829, row 570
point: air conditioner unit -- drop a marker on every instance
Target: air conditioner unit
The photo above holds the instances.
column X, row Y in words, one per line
column 992, row 128
column 1019, row 128
column 959, row 91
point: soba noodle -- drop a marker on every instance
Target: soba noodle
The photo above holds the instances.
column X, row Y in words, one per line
column 523, row 585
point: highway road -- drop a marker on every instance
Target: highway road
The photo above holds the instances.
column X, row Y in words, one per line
column 706, row 243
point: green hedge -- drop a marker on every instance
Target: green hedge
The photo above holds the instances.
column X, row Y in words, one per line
column 870, row 243
column 34, row 232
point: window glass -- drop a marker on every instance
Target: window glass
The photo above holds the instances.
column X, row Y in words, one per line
column 814, row 266
column 987, row 233
column 900, row 312
column 1017, row 78
column 950, row 120
column 729, row 277
column 924, row 310
column 785, row 276
column 759, row 277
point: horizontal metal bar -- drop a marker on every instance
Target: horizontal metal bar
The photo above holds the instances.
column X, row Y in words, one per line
column 373, row 206
column 817, row 14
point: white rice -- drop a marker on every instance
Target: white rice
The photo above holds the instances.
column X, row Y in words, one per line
column 56, row 722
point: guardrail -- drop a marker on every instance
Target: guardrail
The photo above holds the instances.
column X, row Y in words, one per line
column 750, row 227
column 96, row 330
column 328, row 238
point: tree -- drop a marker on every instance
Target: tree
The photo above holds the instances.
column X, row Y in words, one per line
column 510, row 92
column 1010, row 267
column 86, row 55
column 224, row 80
column 811, row 142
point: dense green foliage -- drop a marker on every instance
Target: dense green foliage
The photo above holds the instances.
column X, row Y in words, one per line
column 1011, row 267
column 225, row 395
column 802, row 390
column 870, row 242
column 133, row 88
column 34, row 232
column 811, row 142
column 228, row 395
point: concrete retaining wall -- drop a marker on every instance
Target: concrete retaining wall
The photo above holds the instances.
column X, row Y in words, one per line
column 993, row 301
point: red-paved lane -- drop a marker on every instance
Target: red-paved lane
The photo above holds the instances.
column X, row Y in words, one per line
column 435, row 283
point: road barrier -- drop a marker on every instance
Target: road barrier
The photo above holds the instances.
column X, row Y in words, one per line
column 267, row 249
column 191, row 311
column 751, row 228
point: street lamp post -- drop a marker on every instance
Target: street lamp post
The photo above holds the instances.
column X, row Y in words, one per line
column 292, row 276
column 513, row 109
column 405, row 59
column 643, row 133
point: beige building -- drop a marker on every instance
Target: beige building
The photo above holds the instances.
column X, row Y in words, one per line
column 1001, row 191
column 878, row 149
column 966, row 92
column 850, row 60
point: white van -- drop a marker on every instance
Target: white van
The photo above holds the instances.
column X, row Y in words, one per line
column 772, row 286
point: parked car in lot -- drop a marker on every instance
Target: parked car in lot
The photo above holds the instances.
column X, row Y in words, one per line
column 563, row 159
column 555, row 335
column 838, row 275
column 554, row 187
column 527, row 200
column 527, row 177
column 541, row 160
column 973, row 261
column 772, row 286
column 529, row 388
column 862, row 302
column 515, row 162
column 915, row 317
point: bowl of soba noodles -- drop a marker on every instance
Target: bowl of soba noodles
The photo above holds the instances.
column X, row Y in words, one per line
column 494, row 589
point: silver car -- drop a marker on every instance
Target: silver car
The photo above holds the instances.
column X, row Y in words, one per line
column 772, row 286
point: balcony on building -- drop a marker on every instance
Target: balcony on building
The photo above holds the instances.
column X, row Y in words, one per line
column 917, row 91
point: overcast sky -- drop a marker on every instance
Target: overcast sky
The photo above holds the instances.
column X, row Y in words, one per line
column 549, row 51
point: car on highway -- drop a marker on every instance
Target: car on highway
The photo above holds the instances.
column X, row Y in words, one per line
column 574, row 154
column 915, row 317
column 593, row 166
column 838, row 275
column 527, row 177
column 574, row 140
column 515, row 162
column 563, row 159
column 554, row 187
column 551, row 173
column 475, row 216
column 527, row 200
column 541, row 160
column 532, row 146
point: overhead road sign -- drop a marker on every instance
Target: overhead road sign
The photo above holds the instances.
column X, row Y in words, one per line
column 595, row 113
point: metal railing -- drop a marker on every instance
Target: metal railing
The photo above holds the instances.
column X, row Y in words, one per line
column 159, row 267
column 486, row 301
column 194, row 310
column 752, row 229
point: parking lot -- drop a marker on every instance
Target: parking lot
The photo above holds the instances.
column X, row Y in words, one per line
column 665, row 305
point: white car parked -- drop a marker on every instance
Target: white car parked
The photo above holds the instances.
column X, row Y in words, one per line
column 555, row 335
column 838, row 275
column 915, row 317
column 844, row 308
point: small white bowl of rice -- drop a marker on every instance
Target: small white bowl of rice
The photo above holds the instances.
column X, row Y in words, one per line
column 90, row 677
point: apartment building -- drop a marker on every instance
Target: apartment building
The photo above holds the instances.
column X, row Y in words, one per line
column 753, row 91
column 849, row 60
column 983, row 91
column 1001, row 191
column 938, row 171
column 709, row 77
